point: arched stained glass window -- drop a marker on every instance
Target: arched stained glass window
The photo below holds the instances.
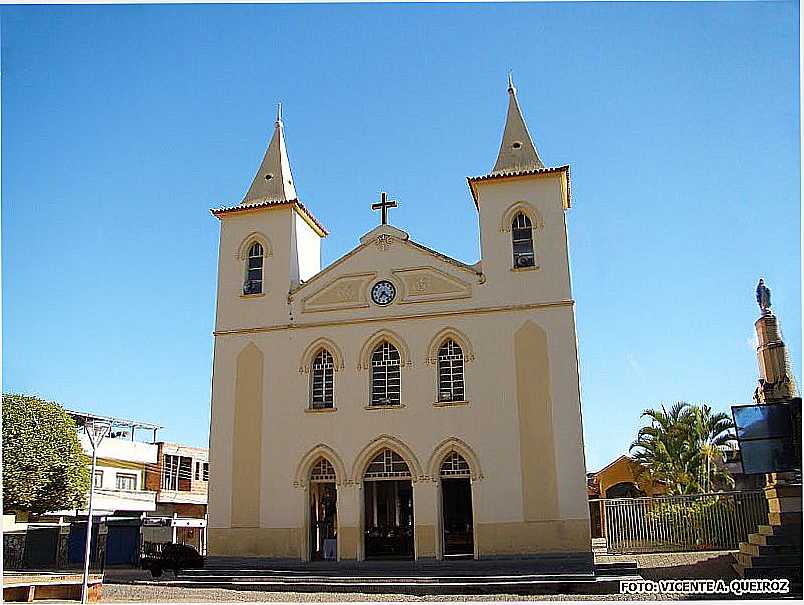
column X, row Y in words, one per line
column 322, row 392
column 522, row 241
column 253, row 282
column 450, row 372
column 385, row 378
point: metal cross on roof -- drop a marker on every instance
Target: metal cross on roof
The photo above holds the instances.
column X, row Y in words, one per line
column 384, row 204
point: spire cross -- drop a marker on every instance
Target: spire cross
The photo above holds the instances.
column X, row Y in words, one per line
column 384, row 204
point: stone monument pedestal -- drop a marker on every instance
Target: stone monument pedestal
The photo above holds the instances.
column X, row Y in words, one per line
column 775, row 550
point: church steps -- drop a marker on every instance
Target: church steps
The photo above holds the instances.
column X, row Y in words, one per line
column 758, row 550
column 571, row 584
column 408, row 577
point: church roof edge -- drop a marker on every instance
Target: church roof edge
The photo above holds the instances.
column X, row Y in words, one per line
column 260, row 204
column 518, row 174
column 368, row 242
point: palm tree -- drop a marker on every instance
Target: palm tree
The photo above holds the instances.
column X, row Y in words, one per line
column 680, row 446
column 713, row 433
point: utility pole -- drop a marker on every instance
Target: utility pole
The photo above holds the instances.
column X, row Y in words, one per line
column 95, row 434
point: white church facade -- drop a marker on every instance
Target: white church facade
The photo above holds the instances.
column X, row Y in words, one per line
column 398, row 403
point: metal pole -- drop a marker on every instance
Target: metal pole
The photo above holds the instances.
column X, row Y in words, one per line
column 85, row 586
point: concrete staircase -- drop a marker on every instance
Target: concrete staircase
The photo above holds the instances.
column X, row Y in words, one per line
column 775, row 550
column 474, row 577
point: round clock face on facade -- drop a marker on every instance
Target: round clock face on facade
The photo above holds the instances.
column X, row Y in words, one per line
column 383, row 292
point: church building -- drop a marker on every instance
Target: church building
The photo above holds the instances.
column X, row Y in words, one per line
column 398, row 403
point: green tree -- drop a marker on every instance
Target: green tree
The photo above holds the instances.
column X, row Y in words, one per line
column 713, row 435
column 44, row 468
column 683, row 448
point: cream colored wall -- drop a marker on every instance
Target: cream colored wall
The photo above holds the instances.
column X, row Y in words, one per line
column 292, row 249
column 488, row 310
column 550, row 281
column 307, row 248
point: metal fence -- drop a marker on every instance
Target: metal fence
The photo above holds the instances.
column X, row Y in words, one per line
column 718, row 521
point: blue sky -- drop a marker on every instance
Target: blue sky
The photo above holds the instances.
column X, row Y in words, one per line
column 123, row 125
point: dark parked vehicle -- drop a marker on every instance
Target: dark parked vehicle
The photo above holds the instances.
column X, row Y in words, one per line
column 158, row 557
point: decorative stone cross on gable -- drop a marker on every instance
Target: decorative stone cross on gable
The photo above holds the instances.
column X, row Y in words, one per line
column 384, row 204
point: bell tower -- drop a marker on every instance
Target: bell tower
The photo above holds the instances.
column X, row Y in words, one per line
column 269, row 244
column 521, row 205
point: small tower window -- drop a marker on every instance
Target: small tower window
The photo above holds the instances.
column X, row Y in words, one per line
column 321, row 381
column 522, row 241
column 450, row 372
column 253, row 283
column 385, row 379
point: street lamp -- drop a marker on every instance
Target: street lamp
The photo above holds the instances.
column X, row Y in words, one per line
column 95, row 431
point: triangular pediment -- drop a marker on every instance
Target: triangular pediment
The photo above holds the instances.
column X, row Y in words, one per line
column 418, row 273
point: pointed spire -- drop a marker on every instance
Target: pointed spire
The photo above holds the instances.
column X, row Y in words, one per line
column 273, row 180
column 517, row 151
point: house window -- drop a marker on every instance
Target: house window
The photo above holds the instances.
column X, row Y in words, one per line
column 450, row 372
column 253, row 283
column 197, row 471
column 385, row 378
column 522, row 241
column 97, row 481
column 126, row 482
column 321, row 381
column 206, row 471
column 177, row 472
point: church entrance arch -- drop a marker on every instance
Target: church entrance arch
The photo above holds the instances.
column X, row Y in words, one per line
column 457, row 519
column 388, row 508
column 323, row 511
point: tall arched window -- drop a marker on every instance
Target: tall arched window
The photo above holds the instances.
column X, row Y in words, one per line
column 522, row 241
column 253, row 282
column 385, row 380
column 450, row 372
column 322, row 392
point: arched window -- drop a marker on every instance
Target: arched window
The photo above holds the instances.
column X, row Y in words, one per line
column 450, row 372
column 322, row 472
column 522, row 241
column 322, row 393
column 387, row 465
column 455, row 465
column 385, row 375
column 253, row 282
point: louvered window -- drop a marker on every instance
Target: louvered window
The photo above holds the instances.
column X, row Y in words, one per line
column 387, row 465
column 455, row 465
column 385, row 378
column 253, row 283
column 522, row 241
column 322, row 472
column 450, row 372
column 322, row 393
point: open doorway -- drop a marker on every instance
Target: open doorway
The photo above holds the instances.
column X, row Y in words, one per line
column 323, row 512
column 388, row 505
column 457, row 520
